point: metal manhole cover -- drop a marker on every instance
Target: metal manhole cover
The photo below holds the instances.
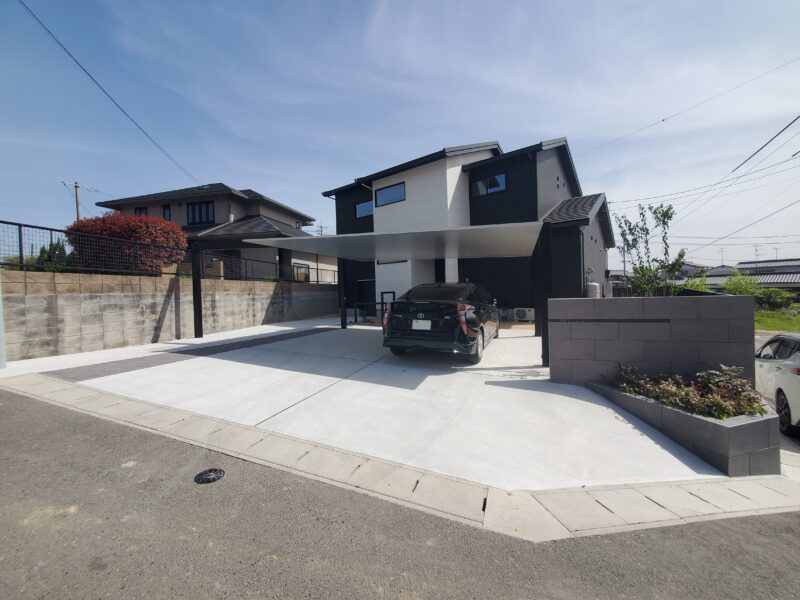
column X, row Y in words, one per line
column 209, row 476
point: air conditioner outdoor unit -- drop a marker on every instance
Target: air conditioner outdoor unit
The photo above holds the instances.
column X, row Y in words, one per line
column 523, row 314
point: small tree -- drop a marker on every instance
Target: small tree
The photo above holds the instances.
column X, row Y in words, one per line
column 697, row 282
column 739, row 284
column 119, row 242
column 649, row 272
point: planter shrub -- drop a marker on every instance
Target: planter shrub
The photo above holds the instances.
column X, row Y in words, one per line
column 720, row 394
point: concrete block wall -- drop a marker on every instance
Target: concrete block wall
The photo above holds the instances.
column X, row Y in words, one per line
column 589, row 337
column 46, row 314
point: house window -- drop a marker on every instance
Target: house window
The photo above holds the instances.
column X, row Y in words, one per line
column 489, row 185
column 301, row 272
column 166, row 212
column 198, row 213
column 297, row 224
column 140, row 211
column 363, row 209
column 390, row 194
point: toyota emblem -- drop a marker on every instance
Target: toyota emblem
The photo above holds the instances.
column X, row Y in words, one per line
column 420, row 315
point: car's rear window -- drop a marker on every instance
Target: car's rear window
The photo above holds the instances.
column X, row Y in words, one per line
column 437, row 292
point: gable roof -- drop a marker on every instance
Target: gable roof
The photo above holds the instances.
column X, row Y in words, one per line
column 582, row 211
column 254, row 226
column 558, row 143
column 209, row 189
column 417, row 162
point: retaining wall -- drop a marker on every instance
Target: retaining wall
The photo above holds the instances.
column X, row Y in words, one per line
column 60, row 313
column 588, row 337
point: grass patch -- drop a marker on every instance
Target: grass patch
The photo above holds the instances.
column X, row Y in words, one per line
column 779, row 320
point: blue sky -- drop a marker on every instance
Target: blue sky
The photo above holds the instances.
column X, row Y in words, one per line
column 292, row 98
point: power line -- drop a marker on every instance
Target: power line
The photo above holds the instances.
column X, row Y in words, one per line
column 688, row 108
column 756, row 222
column 108, row 95
column 767, row 143
column 734, row 237
column 684, row 193
column 705, row 203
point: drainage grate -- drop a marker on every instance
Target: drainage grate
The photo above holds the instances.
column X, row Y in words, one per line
column 209, row 476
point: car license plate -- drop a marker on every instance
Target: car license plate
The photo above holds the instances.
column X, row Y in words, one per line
column 421, row 325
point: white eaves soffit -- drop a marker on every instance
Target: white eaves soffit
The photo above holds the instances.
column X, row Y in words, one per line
column 482, row 241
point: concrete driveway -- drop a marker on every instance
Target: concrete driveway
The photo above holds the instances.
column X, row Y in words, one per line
column 500, row 423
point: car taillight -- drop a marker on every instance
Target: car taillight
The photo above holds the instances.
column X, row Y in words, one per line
column 386, row 315
column 796, row 370
column 462, row 315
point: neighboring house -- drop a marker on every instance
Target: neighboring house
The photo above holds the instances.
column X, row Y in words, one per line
column 221, row 218
column 465, row 187
column 780, row 273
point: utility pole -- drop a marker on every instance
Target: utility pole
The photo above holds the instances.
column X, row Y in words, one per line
column 755, row 250
column 722, row 256
column 624, row 265
column 77, row 200
column 776, row 252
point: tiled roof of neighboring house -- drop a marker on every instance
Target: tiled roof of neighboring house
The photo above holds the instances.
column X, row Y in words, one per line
column 760, row 264
column 719, row 271
column 256, row 226
column 582, row 211
column 207, row 190
column 773, row 279
column 417, row 162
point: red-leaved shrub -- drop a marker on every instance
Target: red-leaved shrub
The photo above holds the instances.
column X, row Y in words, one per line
column 116, row 242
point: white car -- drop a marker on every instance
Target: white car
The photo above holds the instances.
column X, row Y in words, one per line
column 778, row 378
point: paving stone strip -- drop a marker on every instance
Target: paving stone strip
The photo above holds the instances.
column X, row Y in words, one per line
column 536, row 516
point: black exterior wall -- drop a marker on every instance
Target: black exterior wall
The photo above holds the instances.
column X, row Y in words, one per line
column 346, row 221
column 506, row 279
column 516, row 204
column 355, row 271
column 567, row 262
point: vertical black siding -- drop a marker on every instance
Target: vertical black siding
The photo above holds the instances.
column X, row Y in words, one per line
column 509, row 280
column 516, row 204
column 346, row 221
column 567, row 263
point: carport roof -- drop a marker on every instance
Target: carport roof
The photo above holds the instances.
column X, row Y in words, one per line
column 484, row 241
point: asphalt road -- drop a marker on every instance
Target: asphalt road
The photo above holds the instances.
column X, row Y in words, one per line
column 92, row 509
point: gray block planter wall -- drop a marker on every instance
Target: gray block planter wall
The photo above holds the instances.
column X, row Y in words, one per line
column 739, row 446
column 588, row 337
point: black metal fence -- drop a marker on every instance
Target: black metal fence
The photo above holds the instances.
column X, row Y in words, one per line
column 33, row 248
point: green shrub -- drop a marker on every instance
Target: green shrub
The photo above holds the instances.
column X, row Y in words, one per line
column 740, row 284
column 697, row 282
column 717, row 393
column 774, row 299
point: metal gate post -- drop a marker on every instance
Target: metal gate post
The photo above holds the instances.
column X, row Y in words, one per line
column 197, row 291
column 342, row 297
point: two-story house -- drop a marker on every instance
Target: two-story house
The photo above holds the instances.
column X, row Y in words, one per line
column 473, row 186
column 221, row 218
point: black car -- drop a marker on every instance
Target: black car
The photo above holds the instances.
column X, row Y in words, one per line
column 457, row 318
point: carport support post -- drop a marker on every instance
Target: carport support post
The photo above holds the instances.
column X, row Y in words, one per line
column 543, row 288
column 342, row 297
column 197, row 291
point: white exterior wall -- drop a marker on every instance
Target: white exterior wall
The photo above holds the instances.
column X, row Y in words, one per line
column 437, row 197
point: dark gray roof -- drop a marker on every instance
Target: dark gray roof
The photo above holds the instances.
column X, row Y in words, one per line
column 582, row 211
column 209, row 189
column 762, row 264
column 417, row 162
column 255, row 226
column 720, row 271
column 790, row 279
column 559, row 143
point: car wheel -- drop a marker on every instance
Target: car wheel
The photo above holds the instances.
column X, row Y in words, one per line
column 397, row 351
column 785, row 415
column 477, row 355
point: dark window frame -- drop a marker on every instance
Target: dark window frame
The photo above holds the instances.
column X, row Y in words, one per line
column 166, row 212
column 140, row 211
column 472, row 184
column 403, row 199
column 191, row 216
column 301, row 268
column 367, row 203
